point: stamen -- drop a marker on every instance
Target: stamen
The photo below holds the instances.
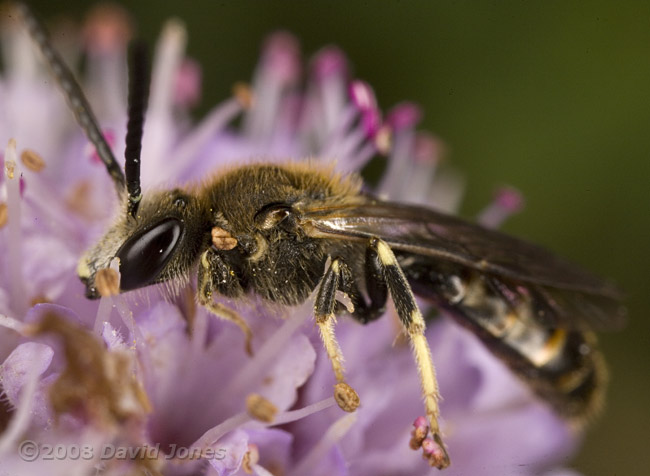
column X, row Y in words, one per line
column 278, row 70
column 262, row 471
column 3, row 214
column 383, row 140
column 107, row 282
column 139, row 343
column 260, row 408
column 434, row 453
column 107, row 28
column 507, row 201
column 250, row 459
column 419, row 433
column 203, row 133
column 21, row 64
column 32, row 160
column 264, row 357
column 15, row 325
column 328, row 62
column 280, row 57
column 334, row 134
column 294, row 415
column 213, row 435
column 243, row 419
column 23, row 413
column 404, row 116
column 362, row 96
column 168, row 57
column 17, row 288
column 244, row 94
column 187, row 90
column 332, row 436
column 425, row 156
column 346, row 397
column 330, row 72
column 169, row 53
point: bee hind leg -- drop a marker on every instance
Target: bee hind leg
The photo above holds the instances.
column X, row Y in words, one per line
column 413, row 323
column 215, row 274
column 332, row 281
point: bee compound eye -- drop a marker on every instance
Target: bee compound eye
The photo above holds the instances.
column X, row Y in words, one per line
column 145, row 254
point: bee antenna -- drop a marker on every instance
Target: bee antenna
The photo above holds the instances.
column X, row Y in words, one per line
column 73, row 94
column 139, row 76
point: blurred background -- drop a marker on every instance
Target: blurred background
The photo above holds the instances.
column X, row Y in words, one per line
column 550, row 97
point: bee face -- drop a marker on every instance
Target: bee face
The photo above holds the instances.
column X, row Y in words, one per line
column 160, row 244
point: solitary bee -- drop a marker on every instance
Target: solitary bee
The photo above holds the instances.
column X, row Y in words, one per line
column 317, row 231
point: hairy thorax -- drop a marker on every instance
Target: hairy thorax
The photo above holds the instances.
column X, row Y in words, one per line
column 259, row 207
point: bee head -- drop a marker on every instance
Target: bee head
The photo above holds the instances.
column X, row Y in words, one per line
column 161, row 243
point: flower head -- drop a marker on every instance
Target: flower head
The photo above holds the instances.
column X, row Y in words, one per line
column 155, row 374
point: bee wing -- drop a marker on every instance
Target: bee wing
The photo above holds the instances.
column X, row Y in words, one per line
column 576, row 296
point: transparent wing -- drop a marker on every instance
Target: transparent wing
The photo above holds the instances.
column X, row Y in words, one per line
column 575, row 295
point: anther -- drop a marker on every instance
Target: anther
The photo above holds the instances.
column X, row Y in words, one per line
column 346, row 397
column 222, row 240
column 419, row 433
column 32, row 160
column 383, row 140
column 243, row 94
column 434, row 452
column 107, row 282
column 260, row 408
column 10, row 169
column 3, row 214
column 250, row 459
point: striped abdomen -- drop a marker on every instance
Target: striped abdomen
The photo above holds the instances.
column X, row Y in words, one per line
column 561, row 364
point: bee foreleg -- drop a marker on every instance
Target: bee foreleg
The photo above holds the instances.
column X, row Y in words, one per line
column 324, row 306
column 215, row 274
column 411, row 318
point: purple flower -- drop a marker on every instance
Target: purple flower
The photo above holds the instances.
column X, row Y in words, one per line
column 149, row 381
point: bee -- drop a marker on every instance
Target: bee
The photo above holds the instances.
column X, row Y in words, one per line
column 318, row 232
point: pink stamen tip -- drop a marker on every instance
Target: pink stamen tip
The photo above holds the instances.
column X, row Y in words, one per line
column 509, row 199
column 421, row 422
column 330, row 61
column 281, row 56
column 427, row 148
column 22, row 185
column 362, row 95
column 371, row 122
column 107, row 29
column 187, row 90
column 404, row 116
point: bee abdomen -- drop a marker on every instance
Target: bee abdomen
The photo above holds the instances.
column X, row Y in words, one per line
column 562, row 366
column 574, row 378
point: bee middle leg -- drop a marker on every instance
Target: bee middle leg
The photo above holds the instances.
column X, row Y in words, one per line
column 215, row 274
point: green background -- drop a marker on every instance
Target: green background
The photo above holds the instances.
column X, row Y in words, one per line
column 551, row 97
